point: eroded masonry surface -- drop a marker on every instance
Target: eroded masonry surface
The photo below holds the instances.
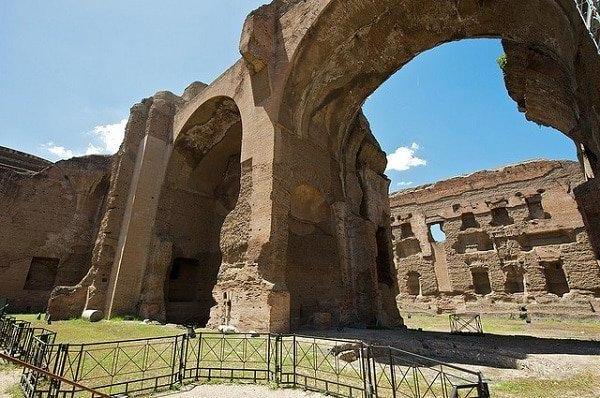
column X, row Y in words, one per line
column 260, row 201
column 496, row 241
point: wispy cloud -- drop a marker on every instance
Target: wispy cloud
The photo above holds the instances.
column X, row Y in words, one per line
column 110, row 135
column 58, row 151
column 404, row 183
column 405, row 158
column 105, row 140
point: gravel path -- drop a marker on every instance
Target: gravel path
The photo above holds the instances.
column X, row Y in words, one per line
column 8, row 379
column 246, row 391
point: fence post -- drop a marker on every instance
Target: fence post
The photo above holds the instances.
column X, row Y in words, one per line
column 443, row 380
column 269, row 373
column 174, row 375
column 59, row 370
column 198, row 355
column 482, row 387
column 183, row 357
column 416, row 380
column 294, row 359
column 278, row 359
column 374, row 377
column 392, row 373
column 78, row 370
column 366, row 366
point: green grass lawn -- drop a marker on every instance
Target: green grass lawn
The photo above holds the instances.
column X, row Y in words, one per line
column 581, row 385
column 539, row 327
column 80, row 331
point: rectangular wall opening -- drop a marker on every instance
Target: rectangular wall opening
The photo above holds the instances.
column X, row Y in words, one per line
column 42, row 274
column 436, row 233
column 413, row 283
column 536, row 210
column 468, row 221
column 183, row 280
column 556, row 279
column 514, row 281
column 406, row 230
column 481, row 281
column 501, row 217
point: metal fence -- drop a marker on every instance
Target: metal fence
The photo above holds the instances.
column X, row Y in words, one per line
column 340, row 368
column 465, row 323
column 590, row 12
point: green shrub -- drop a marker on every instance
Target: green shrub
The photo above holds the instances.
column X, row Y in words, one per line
column 502, row 61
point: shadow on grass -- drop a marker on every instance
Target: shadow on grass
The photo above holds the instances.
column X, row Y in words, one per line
column 494, row 350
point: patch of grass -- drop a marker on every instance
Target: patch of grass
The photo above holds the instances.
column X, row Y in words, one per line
column 15, row 392
column 80, row 331
column 7, row 367
column 539, row 327
column 581, row 385
column 502, row 61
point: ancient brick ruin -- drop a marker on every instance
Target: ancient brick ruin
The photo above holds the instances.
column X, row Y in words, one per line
column 49, row 222
column 514, row 237
column 260, row 200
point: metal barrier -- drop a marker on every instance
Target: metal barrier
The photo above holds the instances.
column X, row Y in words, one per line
column 590, row 12
column 340, row 368
column 465, row 323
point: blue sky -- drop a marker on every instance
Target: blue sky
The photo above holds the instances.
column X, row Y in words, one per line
column 70, row 71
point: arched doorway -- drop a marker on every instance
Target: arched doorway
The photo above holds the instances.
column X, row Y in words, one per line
column 200, row 190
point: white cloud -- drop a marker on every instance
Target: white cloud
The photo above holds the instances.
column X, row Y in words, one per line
column 405, row 183
column 59, row 151
column 404, row 158
column 110, row 135
column 105, row 140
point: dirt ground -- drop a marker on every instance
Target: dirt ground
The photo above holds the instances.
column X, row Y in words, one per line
column 246, row 391
column 9, row 377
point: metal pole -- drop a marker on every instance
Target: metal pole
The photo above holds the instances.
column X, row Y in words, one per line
column 183, row 357
column 294, row 357
column 367, row 375
column 173, row 359
column 198, row 355
column 269, row 375
column 392, row 373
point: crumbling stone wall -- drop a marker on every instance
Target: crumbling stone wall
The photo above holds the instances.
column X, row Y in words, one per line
column 48, row 226
column 310, row 174
column 20, row 162
column 514, row 237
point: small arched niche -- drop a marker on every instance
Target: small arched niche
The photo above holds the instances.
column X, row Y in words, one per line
column 312, row 264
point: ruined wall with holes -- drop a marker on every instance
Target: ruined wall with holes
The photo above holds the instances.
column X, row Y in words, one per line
column 514, row 237
column 48, row 224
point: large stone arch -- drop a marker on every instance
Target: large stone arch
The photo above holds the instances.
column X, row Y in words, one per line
column 354, row 46
column 351, row 47
column 307, row 67
column 200, row 191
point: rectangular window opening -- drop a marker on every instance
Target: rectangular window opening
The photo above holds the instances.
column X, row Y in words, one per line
column 42, row 274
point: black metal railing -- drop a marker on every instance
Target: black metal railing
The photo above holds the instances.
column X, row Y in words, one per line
column 340, row 368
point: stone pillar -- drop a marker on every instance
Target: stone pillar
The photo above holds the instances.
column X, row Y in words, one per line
column 250, row 293
column 135, row 237
column 587, row 196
